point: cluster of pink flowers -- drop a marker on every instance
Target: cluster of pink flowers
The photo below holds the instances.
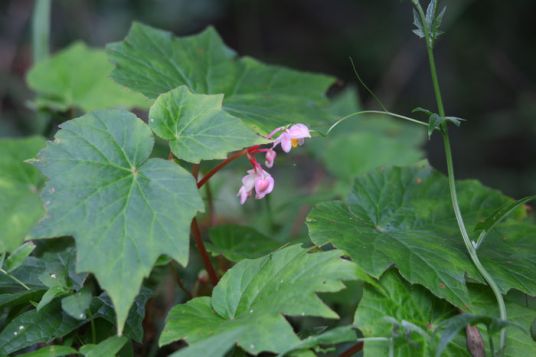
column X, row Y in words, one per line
column 257, row 178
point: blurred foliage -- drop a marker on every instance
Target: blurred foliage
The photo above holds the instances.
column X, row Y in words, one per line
column 489, row 42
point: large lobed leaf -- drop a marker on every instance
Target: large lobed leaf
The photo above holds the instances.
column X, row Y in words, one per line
column 153, row 62
column 79, row 76
column 20, row 206
column 197, row 127
column 123, row 210
column 403, row 217
column 397, row 301
column 253, row 295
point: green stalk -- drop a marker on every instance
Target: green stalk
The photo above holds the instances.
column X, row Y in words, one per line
column 452, row 182
column 14, row 278
column 40, row 30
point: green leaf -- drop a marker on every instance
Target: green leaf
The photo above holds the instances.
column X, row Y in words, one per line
column 197, row 321
column 236, row 242
column 20, row 206
column 451, row 327
column 34, row 326
column 133, row 325
column 434, row 123
column 76, row 305
column 197, row 127
column 403, row 217
column 355, row 153
column 28, row 273
column 499, row 215
column 214, row 346
column 123, row 210
column 19, row 298
column 533, row 329
column 363, row 143
column 422, row 110
column 51, row 351
column 518, row 341
column 331, row 337
column 79, row 76
column 418, row 30
column 408, row 306
column 253, row 295
column 18, row 256
column 50, row 295
column 109, row 347
column 154, row 62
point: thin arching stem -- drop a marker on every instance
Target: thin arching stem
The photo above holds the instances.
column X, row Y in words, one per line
column 14, row 278
column 451, row 178
column 378, row 112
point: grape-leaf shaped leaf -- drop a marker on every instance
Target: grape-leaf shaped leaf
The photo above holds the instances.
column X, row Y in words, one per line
column 403, row 217
column 255, row 293
column 79, row 77
column 123, row 210
column 410, row 306
column 20, row 206
column 236, row 242
column 197, row 127
column 153, row 62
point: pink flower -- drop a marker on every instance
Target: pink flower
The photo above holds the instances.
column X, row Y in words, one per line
column 270, row 158
column 292, row 137
column 257, row 179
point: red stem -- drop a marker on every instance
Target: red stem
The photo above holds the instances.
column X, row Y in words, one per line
column 352, row 350
column 221, row 165
column 204, row 255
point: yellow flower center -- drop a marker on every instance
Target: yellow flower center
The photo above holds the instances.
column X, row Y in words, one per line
column 294, row 142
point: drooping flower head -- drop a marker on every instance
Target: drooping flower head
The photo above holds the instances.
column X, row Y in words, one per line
column 257, row 179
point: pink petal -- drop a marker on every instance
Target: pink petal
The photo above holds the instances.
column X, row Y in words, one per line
column 270, row 158
column 299, row 131
column 264, row 185
column 243, row 195
column 286, row 142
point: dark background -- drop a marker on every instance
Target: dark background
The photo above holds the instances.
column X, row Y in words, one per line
column 486, row 61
